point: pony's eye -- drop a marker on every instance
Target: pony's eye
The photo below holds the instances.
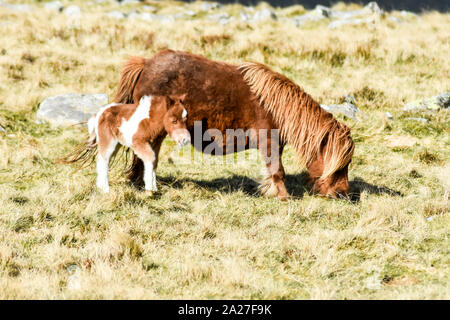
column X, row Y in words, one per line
column 174, row 121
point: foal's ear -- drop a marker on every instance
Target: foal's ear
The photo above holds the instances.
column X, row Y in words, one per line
column 172, row 99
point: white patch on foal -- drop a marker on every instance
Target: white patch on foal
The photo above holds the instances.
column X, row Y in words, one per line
column 99, row 114
column 184, row 114
column 129, row 128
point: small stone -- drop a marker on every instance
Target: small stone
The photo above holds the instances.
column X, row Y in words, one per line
column 245, row 16
column 125, row 2
column 348, row 108
column 207, row 6
column 264, row 14
column 218, row 16
column 374, row 7
column 389, row 115
column 431, row 218
column 189, row 13
column 74, row 279
column 423, row 120
column 323, row 11
column 395, row 19
column 53, row 6
column 16, row 7
column 339, row 23
column 149, row 8
column 116, row 14
column 2, row 129
column 407, row 14
column 373, row 282
column 72, row 10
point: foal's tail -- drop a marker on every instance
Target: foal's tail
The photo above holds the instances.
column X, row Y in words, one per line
column 130, row 76
column 85, row 153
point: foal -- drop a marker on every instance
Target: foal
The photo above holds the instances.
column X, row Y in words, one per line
column 137, row 127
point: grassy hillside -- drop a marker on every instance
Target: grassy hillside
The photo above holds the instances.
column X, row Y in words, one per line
column 208, row 233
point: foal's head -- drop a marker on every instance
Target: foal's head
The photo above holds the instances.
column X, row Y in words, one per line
column 175, row 120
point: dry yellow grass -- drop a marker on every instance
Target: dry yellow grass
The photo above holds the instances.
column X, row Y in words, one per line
column 208, row 234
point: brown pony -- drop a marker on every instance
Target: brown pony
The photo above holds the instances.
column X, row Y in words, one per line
column 253, row 98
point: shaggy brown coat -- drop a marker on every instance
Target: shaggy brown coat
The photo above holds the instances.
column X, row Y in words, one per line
column 247, row 96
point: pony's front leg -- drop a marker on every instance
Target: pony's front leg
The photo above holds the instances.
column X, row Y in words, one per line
column 273, row 184
column 145, row 152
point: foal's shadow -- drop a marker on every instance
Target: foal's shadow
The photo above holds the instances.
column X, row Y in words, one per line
column 297, row 185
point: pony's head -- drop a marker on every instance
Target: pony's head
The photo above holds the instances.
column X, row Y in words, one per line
column 175, row 120
column 329, row 171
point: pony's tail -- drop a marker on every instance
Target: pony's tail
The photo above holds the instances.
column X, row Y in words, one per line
column 85, row 153
column 130, row 75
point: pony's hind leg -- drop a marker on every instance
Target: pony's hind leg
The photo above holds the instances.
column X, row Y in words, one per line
column 106, row 147
column 144, row 151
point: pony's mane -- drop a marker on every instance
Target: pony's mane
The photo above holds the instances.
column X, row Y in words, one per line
column 301, row 120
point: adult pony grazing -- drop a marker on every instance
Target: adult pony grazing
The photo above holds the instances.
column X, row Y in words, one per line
column 252, row 98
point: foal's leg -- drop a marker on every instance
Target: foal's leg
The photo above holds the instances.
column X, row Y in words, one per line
column 273, row 183
column 144, row 151
column 106, row 146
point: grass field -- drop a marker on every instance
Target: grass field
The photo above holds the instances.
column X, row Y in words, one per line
column 208, row 233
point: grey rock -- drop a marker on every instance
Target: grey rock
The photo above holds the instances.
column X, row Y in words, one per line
column 264, row 14
column 407, row 14
column 150, row 17
column 133, row 15
column 71, row 108
column 116, row 14
column 339, row 23
column 149, row 8
column 16, row 7
column 207, row 6
column 319, row 13
column 189, row 13
column 348, row 108
column 389, row 115
column 374, row 7
column 395, row 19
column 323, row 11
column 245, row 16
column 440, row 101
column 341, row 17
column 165, row 18
column 53, row 6
column 222, row 18
column 72, row 10
column 125, row 2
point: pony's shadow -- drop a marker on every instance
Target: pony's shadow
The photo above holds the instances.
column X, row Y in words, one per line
column 297, row 185
column 358, row 185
